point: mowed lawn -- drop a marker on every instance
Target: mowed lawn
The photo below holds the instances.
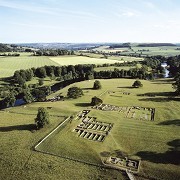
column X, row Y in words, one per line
column 18, row 160
column 154, row 142
column 8, row 65
column 73, row 60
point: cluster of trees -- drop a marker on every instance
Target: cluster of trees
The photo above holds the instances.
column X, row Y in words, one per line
column 4, row 48
column 58, row 52
column 174, row 68
column 174, row 64
column 131, row 73
column 128, row 63
column 10, row 54
column 62, row 73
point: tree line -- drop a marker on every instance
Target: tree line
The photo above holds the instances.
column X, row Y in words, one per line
column 50, row 52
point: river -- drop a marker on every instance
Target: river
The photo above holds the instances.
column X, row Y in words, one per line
column 164, row 65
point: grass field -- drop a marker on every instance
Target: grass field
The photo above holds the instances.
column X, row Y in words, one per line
column 81, row 60
column 10, row 64
column 160, row 50
column 155, row 142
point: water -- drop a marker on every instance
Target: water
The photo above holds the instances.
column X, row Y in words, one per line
column 19, row 102
column 164, row 65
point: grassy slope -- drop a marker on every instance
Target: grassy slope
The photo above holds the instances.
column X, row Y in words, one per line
column 19, row 161
column 151, row 141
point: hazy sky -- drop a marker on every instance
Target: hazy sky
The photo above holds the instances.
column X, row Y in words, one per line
column 89, row 21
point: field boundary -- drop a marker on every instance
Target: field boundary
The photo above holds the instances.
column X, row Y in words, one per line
column 41, row 141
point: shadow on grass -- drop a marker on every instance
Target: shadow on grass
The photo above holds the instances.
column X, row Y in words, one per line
column 175, row 122
column 87, row 88
column 154, row 94
column 159, row 99
column 28, row 127
column 163, row 81
column 83, row 104
column 115, row 96
column 169, row 157
column 126, row 87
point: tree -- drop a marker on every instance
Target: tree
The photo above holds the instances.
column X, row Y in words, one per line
column 28, row 98
column 97, row 85
column 9, row 100
column 42, row 118
column 137, row 84
column 95, row 101
column 74, row 92
column 176, row 85
column 41, row 82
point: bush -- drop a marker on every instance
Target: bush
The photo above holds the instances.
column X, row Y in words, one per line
column 137, row 84
column 96, row 101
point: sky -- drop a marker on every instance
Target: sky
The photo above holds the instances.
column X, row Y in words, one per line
column 89, row 21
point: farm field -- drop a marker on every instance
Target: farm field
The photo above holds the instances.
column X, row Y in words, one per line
column 154, row 142
column 81, row 60
column 8, row 65
column 153, row 51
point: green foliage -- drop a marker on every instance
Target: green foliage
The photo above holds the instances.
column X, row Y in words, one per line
column 9, row 100
column 97, row 85
column 42, row 118
column 41, row 82
column 95, row 101
column 137, row 84
column 74, row 92
column 28, row 98
column 176, row 85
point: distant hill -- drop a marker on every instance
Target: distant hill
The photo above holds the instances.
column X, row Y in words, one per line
column 5, row 48
column 67, row 46
column 155, row 44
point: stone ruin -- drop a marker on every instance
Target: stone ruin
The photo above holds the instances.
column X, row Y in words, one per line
column 91, row 129
column 142, row 113
column 123, row 163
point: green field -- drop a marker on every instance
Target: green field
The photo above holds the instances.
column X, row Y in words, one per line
column 80, row 60
column 153, row 51
column 10, row 64
column 155, row 142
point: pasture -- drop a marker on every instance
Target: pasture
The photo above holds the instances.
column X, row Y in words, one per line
column 81, row 60
column 154, row 142
column 8, row 65
column 152, row 51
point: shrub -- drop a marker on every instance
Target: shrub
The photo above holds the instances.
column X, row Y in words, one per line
column 137, row 84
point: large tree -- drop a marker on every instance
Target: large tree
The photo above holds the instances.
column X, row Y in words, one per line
column 97, row 85
column 42, row 118
column 74, row 92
